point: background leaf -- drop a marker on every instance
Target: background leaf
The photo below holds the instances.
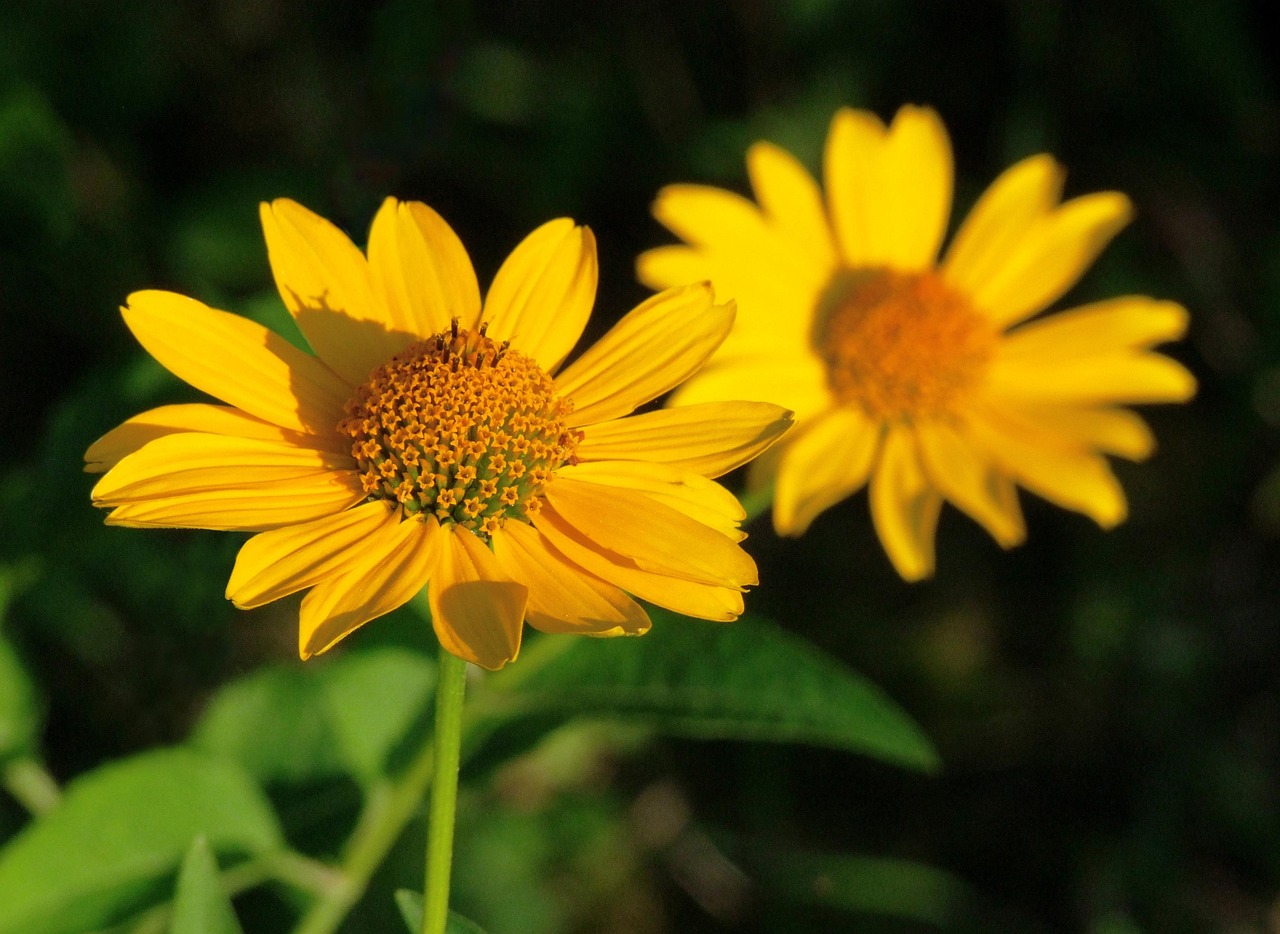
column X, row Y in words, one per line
column 200, row 905
column 343, row 714
column 747, row 680
column 120, row 830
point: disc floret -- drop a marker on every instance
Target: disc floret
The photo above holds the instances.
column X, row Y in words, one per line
column 461, row 427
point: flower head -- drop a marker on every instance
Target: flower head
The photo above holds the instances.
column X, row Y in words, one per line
column 924, row 378
column 435, row 441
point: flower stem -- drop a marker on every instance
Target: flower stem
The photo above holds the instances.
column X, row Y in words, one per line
column 450, row 687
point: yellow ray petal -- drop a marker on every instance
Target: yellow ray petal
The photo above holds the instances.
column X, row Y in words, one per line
column 694, row 495
column 910, row 209
column 1022, row 195
column 277, row 563
column 1110, row 431
column 775, row 305
column 257, row 508
column 1130, row 322
column 1051, row 256
column 132, row 434
column 476, row 609
column 421, row 269
column 1074, row 479
column 709, row 439
column 542, row 295
column 825, row 461
column 393, row 566
column 563, row 597
column 792, row 201
column 325, row 283
column 238, row 361
column 1124, row 377
column 964, row 474
column 793, row 381
column 193, row 461
column 657, row 537
column 904, row 506
column 851, row 172
column 690, row 598
column 638, row 359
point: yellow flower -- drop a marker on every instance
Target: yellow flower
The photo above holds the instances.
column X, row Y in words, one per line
column 918, row 376
column 435, row 439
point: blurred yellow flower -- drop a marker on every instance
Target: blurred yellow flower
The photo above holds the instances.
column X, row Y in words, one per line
column 435, row 439
column 921, row 377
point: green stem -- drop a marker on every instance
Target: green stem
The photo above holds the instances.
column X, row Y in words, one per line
column 451, row 683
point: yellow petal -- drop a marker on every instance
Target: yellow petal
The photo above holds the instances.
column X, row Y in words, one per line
column 963, row 472
column 192, row 462
column 793, row 381
column 277, row 563
column 542, row 295
column 791, row 200
column 1021, row 196
column 655, row 347
column 1110, row 431
column 1051, row 256
column 913, row 203
column 1074, row 479
column 563, row 598
column 476, row 609
column 889, row 193
column 775, row 304
column 1124, row 377
column 392, row 567
column 656, row 537
column 825, row 461
column 325, row 283
column 422, row 270
column 257, row 508
column 132, row 434
column 709, row 439
column 238, row 361
column 851, row 169
column 1131, row 322
column 904, row 506
column 690, row 598
column 694, row 495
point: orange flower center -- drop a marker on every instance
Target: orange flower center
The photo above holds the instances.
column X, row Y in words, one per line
column 461, row 427
column 901, row 346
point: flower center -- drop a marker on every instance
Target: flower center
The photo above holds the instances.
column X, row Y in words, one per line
column 461, row 427
column 901, row 345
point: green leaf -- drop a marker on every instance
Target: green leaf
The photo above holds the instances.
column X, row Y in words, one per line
column 410, row 905
column 896, row 888
column 375, row 697
column 339, row 715
column 19, row 707
column 747, row 680
column 119, row 832
column 200, row 905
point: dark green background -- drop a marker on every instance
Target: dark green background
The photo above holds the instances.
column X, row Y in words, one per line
column 1106, row 703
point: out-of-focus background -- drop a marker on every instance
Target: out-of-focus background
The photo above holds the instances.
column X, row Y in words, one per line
column 1106, row 705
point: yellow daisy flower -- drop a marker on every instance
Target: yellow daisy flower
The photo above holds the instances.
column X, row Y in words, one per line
column 435, row 440
column 918, row 376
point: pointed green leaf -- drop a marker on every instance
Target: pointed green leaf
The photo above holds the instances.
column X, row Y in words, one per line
column 747, row 680
column 200, row 905
column 410, row 905
column 119, row 832
column 19, row 708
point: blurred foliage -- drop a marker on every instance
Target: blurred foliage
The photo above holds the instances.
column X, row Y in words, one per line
column 1104, row 705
